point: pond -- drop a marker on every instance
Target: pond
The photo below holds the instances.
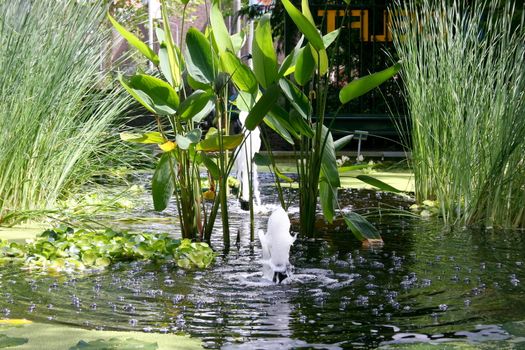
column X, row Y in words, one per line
column 427, row 285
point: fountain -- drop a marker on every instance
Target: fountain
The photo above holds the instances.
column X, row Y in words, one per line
column 244, row 162
column 276, row 245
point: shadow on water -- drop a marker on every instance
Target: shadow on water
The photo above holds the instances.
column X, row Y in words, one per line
column 427, row 284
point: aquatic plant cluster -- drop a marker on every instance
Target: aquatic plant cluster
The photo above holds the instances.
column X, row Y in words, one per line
column 465, row 82
column 68, row 250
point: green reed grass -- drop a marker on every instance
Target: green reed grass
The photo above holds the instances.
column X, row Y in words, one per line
column 464, row 74
column 55, row 107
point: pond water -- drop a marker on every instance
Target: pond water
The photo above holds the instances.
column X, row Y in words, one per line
column 427, row 285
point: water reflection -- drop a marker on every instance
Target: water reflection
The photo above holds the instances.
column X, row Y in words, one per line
column 426, row 284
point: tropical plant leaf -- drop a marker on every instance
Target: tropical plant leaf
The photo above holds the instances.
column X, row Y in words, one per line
column 245, row 100
column 262, row 107
column 329, row 181
column 308, row 29
column 329, row 38
column 242, row 76
column 199, row 57
column 208, row 162
column 304, row 66
column 197, row 106
column 153, row 93
column 362, row 228
column 211, row 144
column 300, row 125
column 305, row 9
column 148, row 137
column 11, row 342
column 261, row 159
column 183, row 142
column 343, row 141
column 378, row 183
column 296, row 97
column 135, row 42
column 264, row 57
column 355, row 167
column 238, row 41
column 174, row 58
column 276, row 126
column 281, row 176
column 220, row 32
column 279, row 114
column 288, row 64
column 362, row 85
column 162, row 183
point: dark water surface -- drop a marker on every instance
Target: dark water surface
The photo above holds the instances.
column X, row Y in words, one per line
column 427, row 284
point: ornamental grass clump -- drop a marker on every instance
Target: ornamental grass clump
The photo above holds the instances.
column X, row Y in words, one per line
column 55, row 105
column 464, row 73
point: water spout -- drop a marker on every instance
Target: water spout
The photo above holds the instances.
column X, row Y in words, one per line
column 244, row 162
column 276, row 245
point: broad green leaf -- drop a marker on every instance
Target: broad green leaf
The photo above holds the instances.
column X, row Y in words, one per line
column 283, row 117
column 262, row 160
column 329, row 38
column 173, row 55
column 199, row 57
column 362, row 85
column 355, row 167
column 362, row 229
column 211, row 144
column 208, row 162
column 378, row 183
column 162, row 183
column 304, row 66
column 276, row 126
column 343, row 141
column 148, row 137
column 135, row 42
column 245, row 101
column 281, row 176
column 238, row 40
column 300, row 124
column 321, row 60
column 194, row 135
column 220, row 32
column 296, row 97
column 153, row 93
column 241, row 75
column 288, row 64
column 264, row 57
column 308, row 29
column 262, row 107
column 11, row 342
column 164, row 64
column 197, row 106
column 184, row 141
column 329, row 181
column 305, row 8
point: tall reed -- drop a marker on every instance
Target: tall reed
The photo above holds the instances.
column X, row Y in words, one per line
column 464, row 73
column 55, row 108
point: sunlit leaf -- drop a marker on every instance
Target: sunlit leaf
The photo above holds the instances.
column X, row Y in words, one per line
column 211, row 165
column 276, row 126
column 264, row 57
column 308, row 29
column 242, row 76
column 329, row 38
column 343, row 141
column 168, row 146
column 174, row 57
column 153, row 93
column 378, row 183
column 135, row 42
column 296, row 97
column 199, row 57
column 197, row 106
column 299, row 124
column 148, row 137
column 362, row 228
column 304, row 66
column 329, row 181
column 362, row 85
column 211, row 144
column 220, row 32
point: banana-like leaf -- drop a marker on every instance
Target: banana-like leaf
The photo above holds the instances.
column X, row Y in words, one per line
column 174, row 58
column 220, row 32
column 329, row 38
column 343, row 141
column 378, row 183
column 288, row 64
column 262, row 107
column 148, row 137
column 300, row 125
column 296, row 97
column 362, row 85
column 245, row 101
column 264, row 57
column 276, row 126
column 305, row 8
column 197, row 106
column 238, row 40
column 199, row 57
column 278, row 113
column 362, row 229
column 329, row 181
column 162, row 183
column 211, row 144
column 354, row 167
column 153, row 93
column 304, row 66
column 308, row 29
column 210, row 164
column 135, row 42
column 242, row 76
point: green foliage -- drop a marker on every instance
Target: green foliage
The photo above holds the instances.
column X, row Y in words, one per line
column 64, row 249
column 115, row 344
column 465, row 82
column 56, row 108
column 9, row 342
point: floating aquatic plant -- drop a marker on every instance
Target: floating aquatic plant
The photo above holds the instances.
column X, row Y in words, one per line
column 66, row 249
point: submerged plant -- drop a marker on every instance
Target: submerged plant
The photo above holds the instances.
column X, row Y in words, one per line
column 55, row 106
column 463, row 69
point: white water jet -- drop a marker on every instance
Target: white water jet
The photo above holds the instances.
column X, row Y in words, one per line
column 276, row 245
column 244, row 162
